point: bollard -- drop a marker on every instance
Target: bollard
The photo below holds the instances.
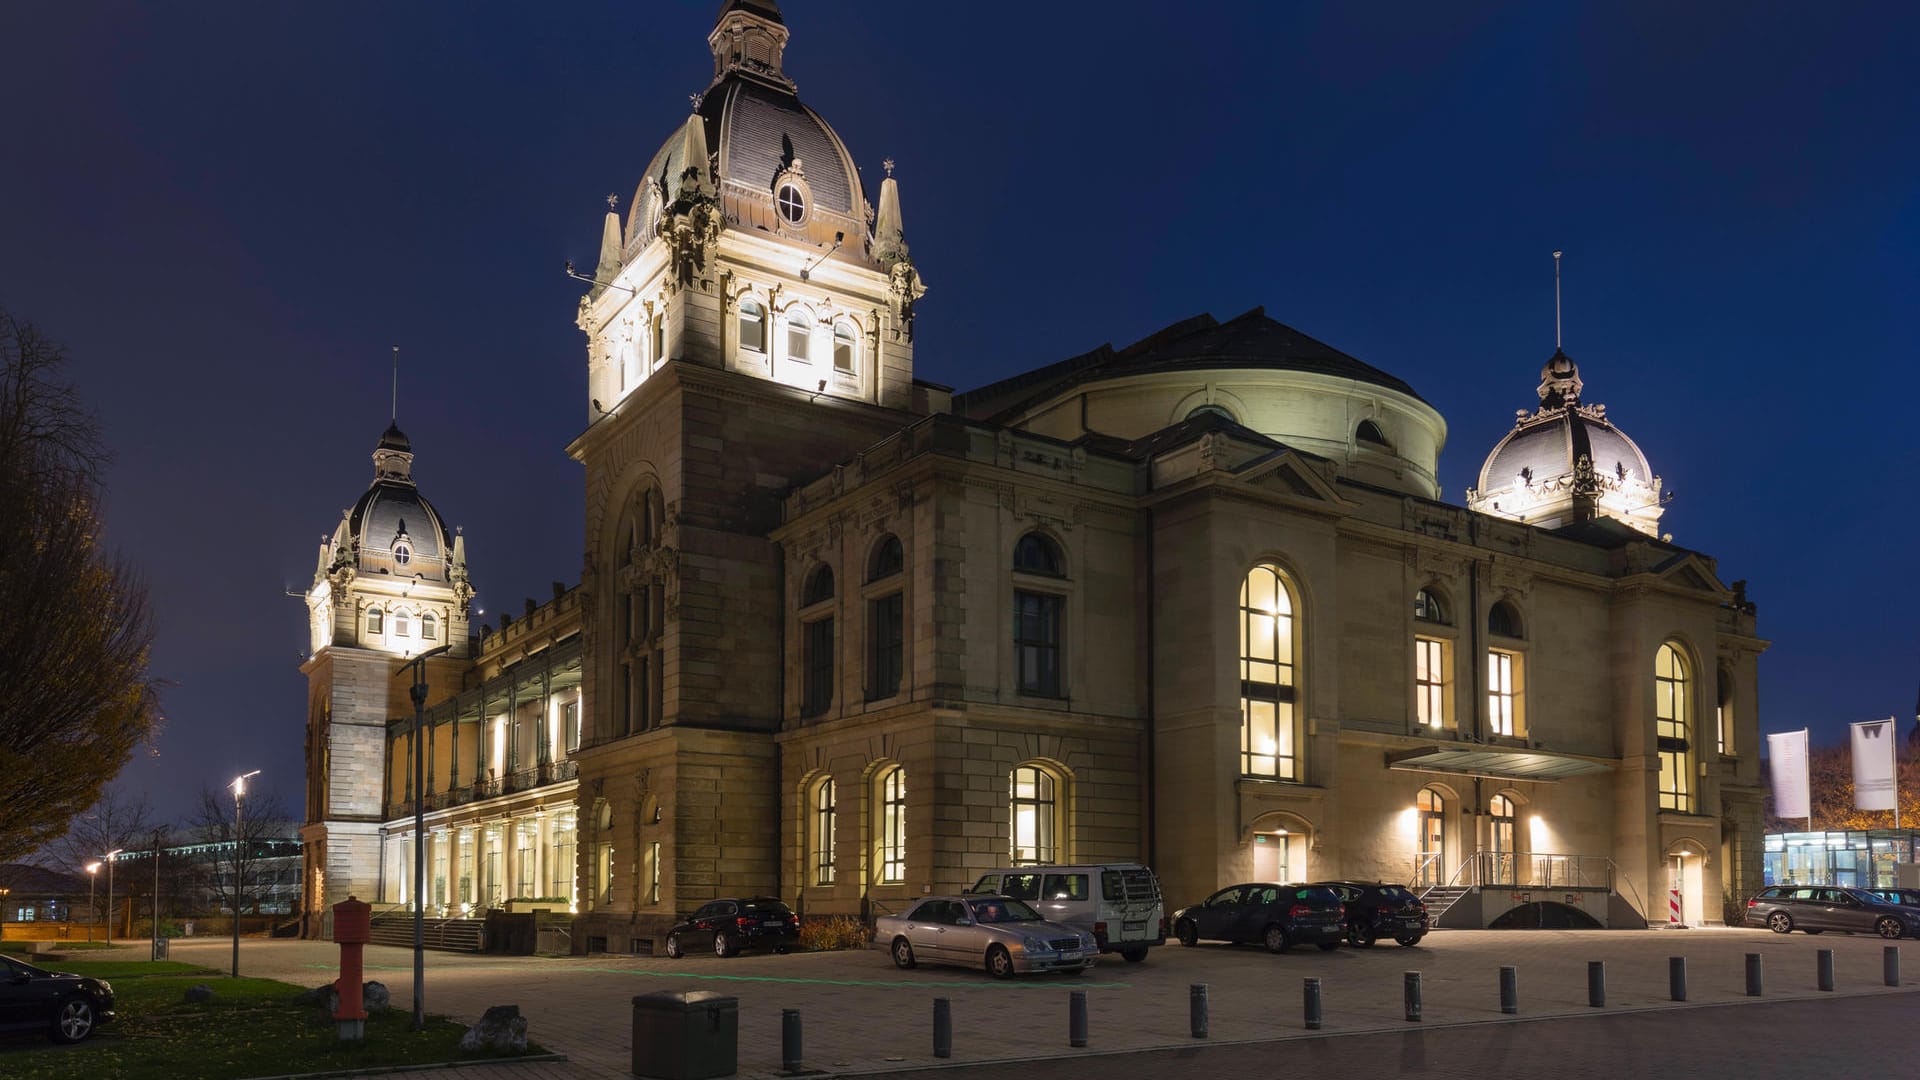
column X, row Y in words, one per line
column 942, row 1028
column 1077, row 1019
column 1197, row 1009
column 1890, row 964
column 1312, row 988
column 1597, row 983
column 1753, row 974
column 790, row 1040
column 1510, row 990
column 1823, row 967
column 1677, row 977
column 352, row 928
column 1412, row 994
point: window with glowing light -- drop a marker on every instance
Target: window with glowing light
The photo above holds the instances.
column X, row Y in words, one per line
column 1503, row 692
column 1035, row 811
column 1504, row 833
column 1723, row 710
column 1430, row 682
column 1269, row 732
column 1673, row 723
column 890, row 825
column 822, row 807
column 1431, row 809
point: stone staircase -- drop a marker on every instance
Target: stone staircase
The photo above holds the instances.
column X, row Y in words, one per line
column 454, row 935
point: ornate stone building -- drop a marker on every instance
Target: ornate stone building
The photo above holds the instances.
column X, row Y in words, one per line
column 846, row 637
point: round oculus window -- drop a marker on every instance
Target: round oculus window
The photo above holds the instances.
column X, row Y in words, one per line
column 792, row 204
column 401, row 553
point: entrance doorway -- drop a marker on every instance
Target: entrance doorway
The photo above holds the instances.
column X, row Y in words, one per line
column 1273, row 858
column 1686, row 899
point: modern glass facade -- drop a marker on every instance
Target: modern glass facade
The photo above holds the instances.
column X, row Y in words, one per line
column 1864, row 859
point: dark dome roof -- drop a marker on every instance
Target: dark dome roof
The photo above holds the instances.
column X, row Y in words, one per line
column 395, row 439
column 1548, row 446
column 393, row 516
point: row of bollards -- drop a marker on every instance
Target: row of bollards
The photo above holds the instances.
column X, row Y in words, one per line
column 1314, row 1002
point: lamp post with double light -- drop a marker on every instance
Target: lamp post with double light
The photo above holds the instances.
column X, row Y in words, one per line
column 109, row 857
column 239, row 786
column 93, row 913
column 418, row 692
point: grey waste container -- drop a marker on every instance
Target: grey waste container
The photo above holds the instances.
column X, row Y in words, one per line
column 686, row 1035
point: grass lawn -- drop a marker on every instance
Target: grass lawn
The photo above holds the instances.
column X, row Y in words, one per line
column 251, row 1028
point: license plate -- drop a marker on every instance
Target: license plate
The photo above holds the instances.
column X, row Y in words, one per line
column 773, row 923
column 1133, row 927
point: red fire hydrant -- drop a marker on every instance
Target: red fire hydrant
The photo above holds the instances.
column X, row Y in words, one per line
column 352, row 927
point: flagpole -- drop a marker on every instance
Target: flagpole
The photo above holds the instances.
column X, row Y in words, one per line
column 1806, row 774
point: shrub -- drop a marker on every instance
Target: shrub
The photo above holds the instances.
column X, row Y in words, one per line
column 834, row 932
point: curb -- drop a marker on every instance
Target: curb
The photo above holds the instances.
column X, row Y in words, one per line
column 426, row 1066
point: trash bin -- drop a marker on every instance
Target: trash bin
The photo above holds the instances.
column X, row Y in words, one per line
column 160, row 948
column 685, row 1035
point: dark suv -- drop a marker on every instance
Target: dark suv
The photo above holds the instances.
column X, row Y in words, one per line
column 727, row 926
column 1819, row 908
column 66, row 1006
column 1376, row 910
column 1276, row 915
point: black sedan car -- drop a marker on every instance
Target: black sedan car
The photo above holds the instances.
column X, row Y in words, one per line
column 727, row 926
column 1275, row 915
column 68, row 1007
column 1378, row 910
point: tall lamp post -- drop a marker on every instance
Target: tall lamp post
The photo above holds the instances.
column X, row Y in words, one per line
column 109, row 857
column 93, row 913
column 156, row 893
column 418, row 691
column 239, row 786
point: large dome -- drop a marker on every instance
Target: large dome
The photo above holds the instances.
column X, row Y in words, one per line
column 1566, row 462
column 393, row 529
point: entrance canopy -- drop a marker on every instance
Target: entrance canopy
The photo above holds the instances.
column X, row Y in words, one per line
column 1495, row 763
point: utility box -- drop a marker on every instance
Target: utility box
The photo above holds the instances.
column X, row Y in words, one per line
column 686, row 1035
column 160, row 948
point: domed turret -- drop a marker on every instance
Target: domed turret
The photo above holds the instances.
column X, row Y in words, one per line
column 1566, row 462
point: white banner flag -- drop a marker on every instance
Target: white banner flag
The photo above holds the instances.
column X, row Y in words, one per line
column 1788, row 753
column 1873, row 765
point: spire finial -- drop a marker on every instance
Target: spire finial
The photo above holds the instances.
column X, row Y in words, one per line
column 1556, row 301
column 697, row 99
column 887, row 165
column 613, row 201
column 395, row 418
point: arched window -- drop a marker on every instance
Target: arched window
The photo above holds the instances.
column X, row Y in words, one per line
column 890, row 825
column 843, row 339
column 429, row 627
column 886, row 621
column 1037, row 617
column 1269, row 736
column 823, row 821
column 816, row 644
column 1723, row 709
column 753, row 325
column 1432, row 812
column 400, row 624
column 659, row 341
column 1034, row 813
column 376, row 621
column 1503, row 621
column 1504, row 834
column 799, row 333
column 1209, row 409
column 636, row 691
column 1673, row 723
column 1427, row 608
column 1369, row 434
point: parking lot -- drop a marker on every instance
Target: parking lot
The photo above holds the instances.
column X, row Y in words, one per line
column 861, row 1014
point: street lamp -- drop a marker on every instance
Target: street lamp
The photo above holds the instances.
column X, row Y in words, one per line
column 109, row 857
column 418, row 691
column 93, row 913
column 239, row 786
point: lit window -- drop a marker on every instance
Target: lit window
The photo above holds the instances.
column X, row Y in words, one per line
column 1268, row 736
column 843, row 348
column 1723, row 710
column 891, row 827
column 1034, row 814
column 653, row 872
column 1672, row 709
column 753, row 325
column 1432, row 808
column 792, row 204
column 799, row 334
column 375, row 621
column 823, row 819
column 1503, row 692
column 1500, row 809
column 1430, row 682
column 429, row 627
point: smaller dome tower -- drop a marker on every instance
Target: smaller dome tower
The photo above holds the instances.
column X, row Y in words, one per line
column 1565, row 463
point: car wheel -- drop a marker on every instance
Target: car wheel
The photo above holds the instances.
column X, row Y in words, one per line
column 1276, row 939
column 902, row 953
column 1327, row 946
column 723, row 945
column 675, row 950
column 1408, row 940
column 1888, row 927
column 999, row 962
column 782, row 948
column 1187, row 933
column 1133, row 954
column 1780, row 922
column 74, row 1021
column 1360, row 936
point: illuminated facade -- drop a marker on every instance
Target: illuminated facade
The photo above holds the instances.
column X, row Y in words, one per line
column 846, row 637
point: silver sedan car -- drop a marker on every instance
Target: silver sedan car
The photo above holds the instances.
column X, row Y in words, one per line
column 998, row 933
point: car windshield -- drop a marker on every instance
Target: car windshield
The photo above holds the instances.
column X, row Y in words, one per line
column 15, row 967
column 765, row 909
column 999, row 911
column 1397, row 893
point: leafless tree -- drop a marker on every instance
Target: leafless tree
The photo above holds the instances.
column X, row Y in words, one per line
column 239, row 867
column 75, row 694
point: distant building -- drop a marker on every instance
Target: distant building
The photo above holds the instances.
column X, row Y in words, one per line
column 847, row 637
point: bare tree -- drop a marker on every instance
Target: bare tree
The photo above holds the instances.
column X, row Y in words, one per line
column 113, row 823
column 75, row 695
column 240, row 867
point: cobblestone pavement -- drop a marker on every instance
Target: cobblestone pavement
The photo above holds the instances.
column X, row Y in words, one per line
column 861, row 1015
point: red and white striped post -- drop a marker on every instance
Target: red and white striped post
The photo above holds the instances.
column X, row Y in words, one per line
column 1673, row 907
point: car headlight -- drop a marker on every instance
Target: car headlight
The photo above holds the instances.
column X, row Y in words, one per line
column 1087, row 941
column 1033, row 944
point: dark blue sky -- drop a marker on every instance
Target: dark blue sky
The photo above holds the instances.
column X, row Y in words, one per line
column 230, row 212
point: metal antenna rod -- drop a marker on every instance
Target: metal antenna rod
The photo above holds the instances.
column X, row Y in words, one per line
column 396, row 375
column 1556, row 301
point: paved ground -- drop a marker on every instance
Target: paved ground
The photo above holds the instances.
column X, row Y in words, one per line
column 861, row 1015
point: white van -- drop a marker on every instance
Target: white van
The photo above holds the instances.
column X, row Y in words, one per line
column 1119, row 902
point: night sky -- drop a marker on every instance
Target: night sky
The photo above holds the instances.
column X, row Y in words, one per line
column 230, row 212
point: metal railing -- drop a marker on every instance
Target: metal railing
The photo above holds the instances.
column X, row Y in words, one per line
column 1526, row 870
column 553, row 772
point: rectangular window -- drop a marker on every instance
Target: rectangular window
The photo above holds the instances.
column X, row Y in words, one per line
column 823, row 819
column 603, row 874
column 570, row 725
column 884, row 646
column 816, row 646
column 400, row 624
column 753, row 327
column 1430, row 682
column 525, row 858
column 843, row 353
column 799, row 335
column 465, row 894
column 427, row 628
column 653, row 872
column 893, row 827
column 1036, row 642
column 374, row 621
column 1503, row 693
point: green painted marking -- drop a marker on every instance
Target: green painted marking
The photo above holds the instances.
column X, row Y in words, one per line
column 1018, row 984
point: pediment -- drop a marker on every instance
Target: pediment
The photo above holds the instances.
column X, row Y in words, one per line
column 1692, row 572
column 1288, row 473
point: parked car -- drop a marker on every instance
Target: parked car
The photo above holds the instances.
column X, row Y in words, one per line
column 999, row 933
column 727, row 926
column 1819, row 908
column 1276, row 915
column 1377, row 910
column 68, row 1007
column 1119, row 902
column 1909, row 897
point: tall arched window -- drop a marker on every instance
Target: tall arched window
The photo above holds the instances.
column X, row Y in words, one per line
column 843, row 341
column 1673, row 723
column 1269, row 735
column 1723, row 710
column 823, row 821
column 753, row 325
column 890, row 825
column 376, row 622
column 816, row 643
column 1035, row 816
column 886, row 620
column 429, row 628
column 799, row 333
column 1037, row 617
column 1432, row 812
column 1504, row 834
column 1506, row 698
